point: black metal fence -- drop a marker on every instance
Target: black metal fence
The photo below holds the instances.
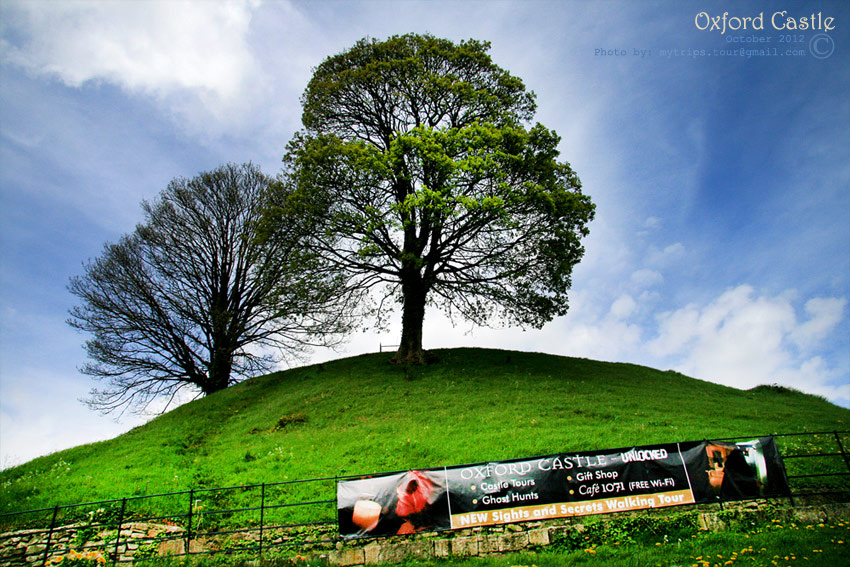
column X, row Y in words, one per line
column 290, row 515
column 296, row 513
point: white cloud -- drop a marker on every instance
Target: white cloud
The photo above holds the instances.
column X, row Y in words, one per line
column 743, row 340
column 194, row 56
column 665, row 256
column 607, row 339
column 623, row 307
column 825, row 313
column 652, row 223
column 647, row 278
column 27, row 432
column 590, row 330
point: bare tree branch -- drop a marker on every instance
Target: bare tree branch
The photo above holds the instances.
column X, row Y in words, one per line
column 194, row 298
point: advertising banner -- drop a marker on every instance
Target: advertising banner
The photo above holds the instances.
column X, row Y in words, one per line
column 561, row 485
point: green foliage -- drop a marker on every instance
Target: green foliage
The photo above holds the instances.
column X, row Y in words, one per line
column 780, row 390
column 288, row 420
column 78, row 559
column 419, row 160
column 443, row 76
column 643, row 528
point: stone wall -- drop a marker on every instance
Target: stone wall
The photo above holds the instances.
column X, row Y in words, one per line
column 536, row 535
column 145, row 540
column 28, row 546
column 459, row 543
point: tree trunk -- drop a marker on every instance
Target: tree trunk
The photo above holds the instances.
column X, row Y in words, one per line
column 410, row 350
column 221, row 364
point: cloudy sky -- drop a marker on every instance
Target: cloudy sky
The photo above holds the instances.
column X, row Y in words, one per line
column 721, row 245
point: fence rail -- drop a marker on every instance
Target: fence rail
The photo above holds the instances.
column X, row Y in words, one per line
column 298, row 513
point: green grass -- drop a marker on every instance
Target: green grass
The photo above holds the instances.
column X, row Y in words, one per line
column 816, row 549
column 767, row 545
column 364, row 415
column 772, row 546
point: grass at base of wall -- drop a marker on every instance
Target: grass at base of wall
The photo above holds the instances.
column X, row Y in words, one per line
column 766, row 544
column 772, row 544
column 809, row 546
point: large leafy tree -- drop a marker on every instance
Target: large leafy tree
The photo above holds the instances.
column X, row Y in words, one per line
column 192, row 298
column 419, row 158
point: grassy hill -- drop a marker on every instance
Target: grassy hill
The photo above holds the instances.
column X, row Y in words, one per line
column 362, row 415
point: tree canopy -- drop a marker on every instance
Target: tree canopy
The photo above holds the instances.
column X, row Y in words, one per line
column 192, row 298
column 427, row 179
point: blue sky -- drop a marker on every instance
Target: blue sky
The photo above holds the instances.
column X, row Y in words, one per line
column 721, row 246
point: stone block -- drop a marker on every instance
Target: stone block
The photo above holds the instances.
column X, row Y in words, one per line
column 558, row 531
column 465, row 546
column 172, row 547
column 538, row 537
column 710, row 522
column 810, row 515
column 516, row 541
column 347, row 556
column 490, row 543
column 37, row 548
column 371, row 551
column 442, row 548
column 397, row 552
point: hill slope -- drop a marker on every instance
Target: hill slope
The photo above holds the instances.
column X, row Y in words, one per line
column 362, row 415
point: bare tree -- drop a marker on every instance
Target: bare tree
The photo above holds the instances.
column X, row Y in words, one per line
column 192, row 298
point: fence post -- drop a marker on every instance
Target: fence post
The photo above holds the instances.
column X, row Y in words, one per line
column 189, row 527
column 262, row 515
column 50, row 533
column 841, row 448
column 118, row 535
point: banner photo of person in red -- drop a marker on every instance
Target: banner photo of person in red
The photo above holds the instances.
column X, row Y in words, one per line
column 402, row 503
